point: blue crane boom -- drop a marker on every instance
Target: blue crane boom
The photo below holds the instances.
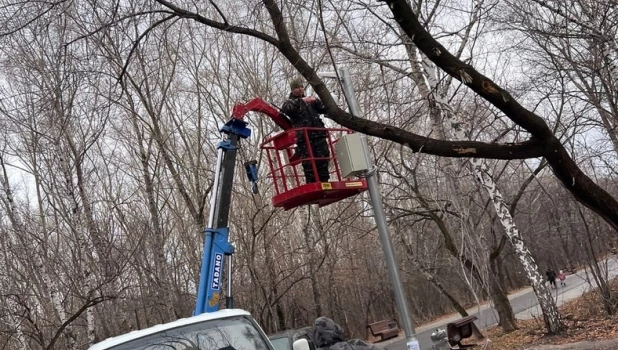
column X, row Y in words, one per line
column 217, row 247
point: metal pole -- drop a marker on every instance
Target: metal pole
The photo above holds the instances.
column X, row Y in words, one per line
column 380, row 217
column 348, row 91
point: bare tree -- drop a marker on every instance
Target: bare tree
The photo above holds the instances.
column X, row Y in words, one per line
column 122, row 167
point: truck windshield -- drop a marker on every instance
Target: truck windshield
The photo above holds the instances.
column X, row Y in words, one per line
column 233, row 333
column 281, row 343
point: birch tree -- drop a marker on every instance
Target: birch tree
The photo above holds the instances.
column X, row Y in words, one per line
column 456, row 126
column 444, row 118
column 56, row 119
column 170, row 73
column 12, row 310
column 542, row 142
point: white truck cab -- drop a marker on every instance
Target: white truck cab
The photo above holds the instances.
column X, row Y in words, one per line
column 228, row 329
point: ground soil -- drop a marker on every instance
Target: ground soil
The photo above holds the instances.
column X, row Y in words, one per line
column 588, row 327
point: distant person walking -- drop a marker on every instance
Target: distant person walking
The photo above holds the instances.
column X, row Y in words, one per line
column 551, row 276
column 562, row 278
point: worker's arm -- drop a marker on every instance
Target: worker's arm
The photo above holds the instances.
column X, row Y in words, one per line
column 319, row 106
column 293, row 109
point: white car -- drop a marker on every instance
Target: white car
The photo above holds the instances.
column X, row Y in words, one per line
column 229, row 329
column 284, row 340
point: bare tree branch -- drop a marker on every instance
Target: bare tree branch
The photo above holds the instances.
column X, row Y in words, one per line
column 222, row 26
column 572, row 177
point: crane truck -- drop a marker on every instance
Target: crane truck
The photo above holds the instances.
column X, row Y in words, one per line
column 210, row 328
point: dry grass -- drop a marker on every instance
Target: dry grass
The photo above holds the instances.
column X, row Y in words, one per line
column 584, row 318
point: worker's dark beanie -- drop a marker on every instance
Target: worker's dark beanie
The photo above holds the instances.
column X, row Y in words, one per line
column 296, row 83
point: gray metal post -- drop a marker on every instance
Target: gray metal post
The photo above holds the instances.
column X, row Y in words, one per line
column 380, row 217
column 348, row 91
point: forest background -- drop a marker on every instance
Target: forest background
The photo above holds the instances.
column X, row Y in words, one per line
column 110, row 110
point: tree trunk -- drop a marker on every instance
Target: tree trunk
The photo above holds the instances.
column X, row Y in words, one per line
column 481, row 172
column 501, row 302
column 13, row 323
column 456, row 305
column 48, row 286
column 506, row 317
column 425, row 78
column 309, row 241
column 273, row 298
column 593, row 263
column 553, row 323
column 165, row 289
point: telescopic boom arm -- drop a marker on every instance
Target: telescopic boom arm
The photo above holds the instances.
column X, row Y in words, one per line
column 216, row 237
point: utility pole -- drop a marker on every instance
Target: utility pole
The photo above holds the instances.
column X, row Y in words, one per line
column 368, row 171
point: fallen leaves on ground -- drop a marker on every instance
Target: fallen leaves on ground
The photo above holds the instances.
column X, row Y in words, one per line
column 584, row 317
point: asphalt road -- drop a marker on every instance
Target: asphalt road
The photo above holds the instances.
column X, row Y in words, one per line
column 524, row 304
